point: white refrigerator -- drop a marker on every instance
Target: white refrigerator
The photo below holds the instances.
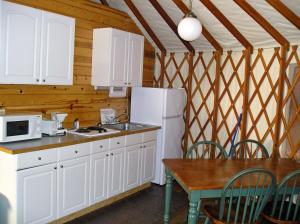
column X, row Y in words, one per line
column 163, row 107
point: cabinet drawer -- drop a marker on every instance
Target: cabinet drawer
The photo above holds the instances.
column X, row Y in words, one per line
column 37, row 158
column 117, row 142
column 74, row 151
column 150, row 136
column 100, row 146
column 133, row 139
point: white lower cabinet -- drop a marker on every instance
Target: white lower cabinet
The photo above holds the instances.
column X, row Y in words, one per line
column 148, row 162
column 73, row 185
column 99, row 171
column 37, row 194
column 116, row 168
column 132, row 167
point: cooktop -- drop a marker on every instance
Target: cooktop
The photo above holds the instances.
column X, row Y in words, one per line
column 93, row 131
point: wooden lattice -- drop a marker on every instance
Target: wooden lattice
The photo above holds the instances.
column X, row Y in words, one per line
column 216, row 101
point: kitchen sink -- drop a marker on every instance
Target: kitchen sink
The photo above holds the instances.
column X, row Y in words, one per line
column 126, row 126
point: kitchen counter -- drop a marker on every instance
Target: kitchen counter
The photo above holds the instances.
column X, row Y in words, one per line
column 60, row 141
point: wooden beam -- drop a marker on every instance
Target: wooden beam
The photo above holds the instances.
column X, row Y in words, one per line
column 104, row 2
column 263, row 22
column 171, row 24
column 279, row 109
column 180, row 4
column 286, row 12
column 188, row 102
column 162, row 70
column 219, row 15
column 146, row 26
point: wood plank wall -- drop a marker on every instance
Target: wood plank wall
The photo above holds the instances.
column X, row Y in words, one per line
column 80, row 100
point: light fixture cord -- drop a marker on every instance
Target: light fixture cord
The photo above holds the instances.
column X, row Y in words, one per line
column 191, row 5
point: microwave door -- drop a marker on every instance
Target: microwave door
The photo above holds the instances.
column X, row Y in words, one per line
column 17, row 128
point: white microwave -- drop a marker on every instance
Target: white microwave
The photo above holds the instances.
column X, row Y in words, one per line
column 18, row 127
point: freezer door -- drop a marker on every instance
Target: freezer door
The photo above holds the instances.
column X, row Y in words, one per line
column 174, row 102
column 169, row 145
column 147, row 105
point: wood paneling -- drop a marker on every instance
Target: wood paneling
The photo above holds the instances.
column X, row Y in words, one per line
column 80, row 100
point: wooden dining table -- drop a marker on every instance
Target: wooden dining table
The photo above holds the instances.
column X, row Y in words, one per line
column 205, row 178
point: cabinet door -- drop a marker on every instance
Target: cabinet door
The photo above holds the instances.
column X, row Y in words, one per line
column 148, row 162
column 136, row 60
column 132, row 167
column 57, row 49
column 99, row 172
column 20, row 44
column 36, row 195
column 73, row 185
column 119, row 58
column 116, row 168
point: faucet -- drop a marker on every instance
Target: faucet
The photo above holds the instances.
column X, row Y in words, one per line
column 116, row 119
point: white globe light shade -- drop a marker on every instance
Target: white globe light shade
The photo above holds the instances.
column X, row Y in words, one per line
column 189, row 28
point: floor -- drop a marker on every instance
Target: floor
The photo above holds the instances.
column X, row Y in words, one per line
column 145, row 207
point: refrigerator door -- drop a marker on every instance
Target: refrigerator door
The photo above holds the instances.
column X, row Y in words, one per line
column 174, row 102
column 169, row 145
column 147, row 105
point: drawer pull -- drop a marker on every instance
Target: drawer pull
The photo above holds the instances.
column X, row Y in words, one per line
column 112, row 154
column 101, row 146
column 39, row 158
column 144, row 146
column 61, row 166
column 76, row 151
column 118, row 143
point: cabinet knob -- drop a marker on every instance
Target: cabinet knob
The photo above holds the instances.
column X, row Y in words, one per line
column 39, row 158
column 144, row 146
column 125, row 83
column 112, row 154
column 101, row 146
column 76, row 151
column 37, row 80
column 44, row 80
column 129, row 83
column 118, row 143
column 141, row 146
column 107, row 155
column 61, row 166
column 55, row 168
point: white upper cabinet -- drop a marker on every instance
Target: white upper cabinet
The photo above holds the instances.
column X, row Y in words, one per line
column 38, row 46
column 21, row 39
column 57, row 49
column 118, row 58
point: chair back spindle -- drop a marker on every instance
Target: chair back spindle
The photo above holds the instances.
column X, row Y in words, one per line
column 250, row 149
column 206, row 150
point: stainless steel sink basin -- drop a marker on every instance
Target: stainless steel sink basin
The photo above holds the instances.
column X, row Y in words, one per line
column 126, row 126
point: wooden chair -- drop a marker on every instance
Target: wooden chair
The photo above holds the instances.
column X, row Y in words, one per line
column 243, row 197
column 206, row 150
column 249, row 149
column 285, row 207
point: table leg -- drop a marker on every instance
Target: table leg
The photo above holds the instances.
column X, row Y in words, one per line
column 193, row 210
column 168, row 197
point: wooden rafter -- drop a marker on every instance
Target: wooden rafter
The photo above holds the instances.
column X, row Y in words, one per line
column 104, row 2
column 219, row 15
column 262, row 22
column 146, row 26
column 180, row 4
column 171, row 24
column 285, row 11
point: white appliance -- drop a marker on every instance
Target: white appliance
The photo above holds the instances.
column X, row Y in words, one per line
column 163, row 107
column 17, row 127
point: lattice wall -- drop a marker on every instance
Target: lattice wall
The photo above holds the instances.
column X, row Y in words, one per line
column 227, row 96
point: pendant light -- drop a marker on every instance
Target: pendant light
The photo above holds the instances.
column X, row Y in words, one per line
column 189, row 27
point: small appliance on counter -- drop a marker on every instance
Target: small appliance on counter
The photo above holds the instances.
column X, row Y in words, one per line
column 54, row 127
column 20, row 126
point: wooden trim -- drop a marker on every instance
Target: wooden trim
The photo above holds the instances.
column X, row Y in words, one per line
column 146, row 26
column 180, row 4
column 247, row 54
column 216, row 96
column 286, row 12
column 101, row 204
column 279, row 109
column 104, row 2
column 188, row 102
column 219, row 15
column 162, row 70
column 171, row 24
column 262, row 22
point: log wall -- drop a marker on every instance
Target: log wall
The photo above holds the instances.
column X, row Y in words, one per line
column 80, row 100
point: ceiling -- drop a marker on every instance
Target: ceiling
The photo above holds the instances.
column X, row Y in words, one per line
column 251, row 30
